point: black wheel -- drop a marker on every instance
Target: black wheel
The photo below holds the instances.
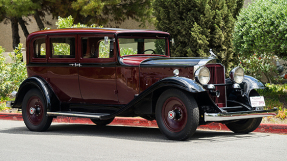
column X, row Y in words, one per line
column 102, row 122
column 244, row 126
column 34, row 111
column 177, row 114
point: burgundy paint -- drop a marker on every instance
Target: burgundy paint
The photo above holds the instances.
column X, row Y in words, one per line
column 136, row 60
column 150, row 75
column 127, row 83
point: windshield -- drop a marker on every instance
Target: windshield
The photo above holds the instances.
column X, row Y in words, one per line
column 133, row 46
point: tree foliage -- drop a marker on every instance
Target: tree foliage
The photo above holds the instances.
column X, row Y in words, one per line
column 84, row 11
column 100, row 12
column 262, row 28
column 199, row 25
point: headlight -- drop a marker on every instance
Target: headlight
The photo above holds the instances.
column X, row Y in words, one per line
column 202, row 75
column 237, row 74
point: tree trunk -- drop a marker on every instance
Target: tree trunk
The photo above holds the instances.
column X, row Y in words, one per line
column 39, row 21
column 15, row 32
column 23, row 26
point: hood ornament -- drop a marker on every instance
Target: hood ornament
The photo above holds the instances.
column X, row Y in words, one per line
column 212, row 55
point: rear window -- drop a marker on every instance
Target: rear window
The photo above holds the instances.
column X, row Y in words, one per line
column 39, row 46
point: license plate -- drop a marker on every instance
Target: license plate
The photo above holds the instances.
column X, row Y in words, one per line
column 257, row 101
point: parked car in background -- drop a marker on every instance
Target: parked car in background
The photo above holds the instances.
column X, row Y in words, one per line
column 103, row 73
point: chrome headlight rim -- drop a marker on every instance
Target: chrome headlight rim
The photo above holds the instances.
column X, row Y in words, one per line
column 202, row 75
column 236, row 75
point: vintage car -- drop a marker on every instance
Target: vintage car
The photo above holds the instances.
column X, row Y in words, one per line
column 101, row 73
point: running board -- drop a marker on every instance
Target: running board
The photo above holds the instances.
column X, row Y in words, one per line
column 78, row 114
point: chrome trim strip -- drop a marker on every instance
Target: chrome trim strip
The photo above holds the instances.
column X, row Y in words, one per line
column 214, row 117
column 77, row 114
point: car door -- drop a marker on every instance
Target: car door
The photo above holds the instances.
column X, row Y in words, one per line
column 97, row 71
column 62, row 69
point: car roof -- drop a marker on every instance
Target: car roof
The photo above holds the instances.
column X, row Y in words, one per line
column 95, row 30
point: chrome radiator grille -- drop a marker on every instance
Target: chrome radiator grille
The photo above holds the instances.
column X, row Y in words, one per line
column 217, row 76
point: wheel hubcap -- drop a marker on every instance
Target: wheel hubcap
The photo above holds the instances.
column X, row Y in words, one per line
column 174, row 114
column 35, row 113
column 32, row 110
column 171, row 115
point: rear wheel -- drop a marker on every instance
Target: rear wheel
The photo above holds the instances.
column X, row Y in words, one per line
column 102, row 122
column 177, row 114
column 244, row 126
column 34, row 111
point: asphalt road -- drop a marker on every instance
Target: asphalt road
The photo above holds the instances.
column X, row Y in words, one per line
column 89, row 142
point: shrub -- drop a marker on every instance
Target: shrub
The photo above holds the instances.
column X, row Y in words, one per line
column 261, row 33
column 258, row 65
column 69, row 23
column 262, row 28
column 11, row 74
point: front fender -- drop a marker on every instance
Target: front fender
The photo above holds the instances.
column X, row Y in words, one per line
column 183, row 83
column 40, row 84
column 251, row 83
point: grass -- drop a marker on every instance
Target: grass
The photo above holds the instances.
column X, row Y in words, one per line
column 275, row 95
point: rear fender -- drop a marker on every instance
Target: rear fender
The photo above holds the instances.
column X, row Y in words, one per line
column 40, row 84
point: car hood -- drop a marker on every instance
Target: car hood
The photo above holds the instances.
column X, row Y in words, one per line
column 167, row 61
column 176, row 61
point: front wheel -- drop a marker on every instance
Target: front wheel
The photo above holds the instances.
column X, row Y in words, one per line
column 34, row 111
column 177, row 114
column 244, row 126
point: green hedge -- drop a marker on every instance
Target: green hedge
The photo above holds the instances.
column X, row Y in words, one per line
column 11, row 74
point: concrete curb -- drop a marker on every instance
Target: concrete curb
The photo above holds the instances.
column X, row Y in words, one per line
column 125, row 121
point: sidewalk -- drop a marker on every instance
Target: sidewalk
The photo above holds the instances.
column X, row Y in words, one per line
column 125, row 121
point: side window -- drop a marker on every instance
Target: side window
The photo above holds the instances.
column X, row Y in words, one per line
column 39, row 46
column 97, row 47
column 63, row 47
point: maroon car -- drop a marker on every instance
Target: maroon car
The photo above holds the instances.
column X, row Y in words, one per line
column 104, row 73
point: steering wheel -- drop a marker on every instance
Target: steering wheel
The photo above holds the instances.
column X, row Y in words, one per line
column 153, row 52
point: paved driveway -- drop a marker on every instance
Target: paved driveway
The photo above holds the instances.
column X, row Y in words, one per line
column 89, row 142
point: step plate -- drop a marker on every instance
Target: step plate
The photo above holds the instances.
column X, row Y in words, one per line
column 78, row 114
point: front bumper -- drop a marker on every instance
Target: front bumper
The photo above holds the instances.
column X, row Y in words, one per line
column 217, row 117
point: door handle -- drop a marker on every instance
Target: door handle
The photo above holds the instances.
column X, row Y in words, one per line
column 76, row 65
